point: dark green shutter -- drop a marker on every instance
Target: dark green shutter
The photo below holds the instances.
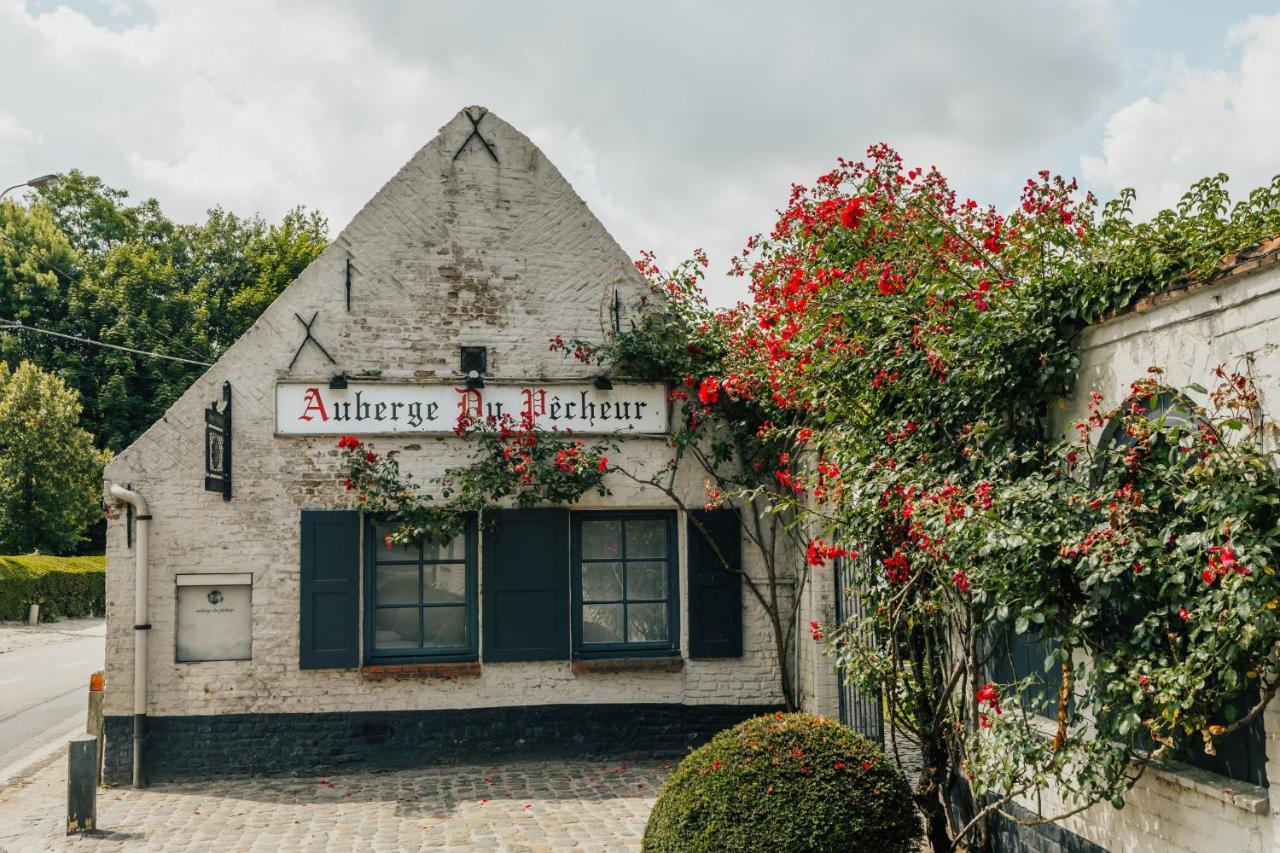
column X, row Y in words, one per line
column 526, row 584
column 330, row 586
column 715, row 594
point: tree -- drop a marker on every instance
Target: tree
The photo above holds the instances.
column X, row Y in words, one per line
column 39, row 268
column 84, row 262
column 50, row 472
column 910, row 344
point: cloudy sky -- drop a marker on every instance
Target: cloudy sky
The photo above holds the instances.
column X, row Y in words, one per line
column 682, row 124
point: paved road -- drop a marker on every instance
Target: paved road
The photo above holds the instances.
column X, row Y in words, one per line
column 536, row 807
column 44, row 691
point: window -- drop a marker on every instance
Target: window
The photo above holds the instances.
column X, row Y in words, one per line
column 624, row 583
column 421, row 598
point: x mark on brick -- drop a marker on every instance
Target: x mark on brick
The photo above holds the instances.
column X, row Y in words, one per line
column 306, row 324
column 475, row 134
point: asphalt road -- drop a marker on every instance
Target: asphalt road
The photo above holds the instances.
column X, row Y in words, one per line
column 44, row 693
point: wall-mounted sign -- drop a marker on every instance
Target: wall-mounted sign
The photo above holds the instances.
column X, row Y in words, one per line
column 214, row 617
column 217, row 445
column 373, row 408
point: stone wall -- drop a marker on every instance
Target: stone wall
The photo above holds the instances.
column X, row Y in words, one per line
column 452, row 251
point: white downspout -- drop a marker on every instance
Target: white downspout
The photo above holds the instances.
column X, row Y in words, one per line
column 142, row 519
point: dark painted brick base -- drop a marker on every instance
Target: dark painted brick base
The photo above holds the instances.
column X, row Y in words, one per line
column 253, row 744
column 1009, row 837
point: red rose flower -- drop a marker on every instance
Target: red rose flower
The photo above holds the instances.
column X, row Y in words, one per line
column 709, row 391
column 851, row 214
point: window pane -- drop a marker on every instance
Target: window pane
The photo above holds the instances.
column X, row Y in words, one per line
column 445, row 584
column 395, row 552
column 455, row 549
column 646, row 580
column 396, row 585
column 602, row 581
column 602, row 623
column 646, row 623
column 601, row 540
column 646, row 539
column 446, row 626
column 396, row 628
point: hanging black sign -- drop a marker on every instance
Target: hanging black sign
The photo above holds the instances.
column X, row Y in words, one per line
column 217, row 445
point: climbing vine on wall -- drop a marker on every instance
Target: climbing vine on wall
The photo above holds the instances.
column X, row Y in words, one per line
column 513, row 461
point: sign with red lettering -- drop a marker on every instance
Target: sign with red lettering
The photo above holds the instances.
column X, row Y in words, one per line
column 379, row 408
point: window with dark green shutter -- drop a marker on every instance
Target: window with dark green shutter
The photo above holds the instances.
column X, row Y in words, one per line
column 421, row 598
column 329, row 632
column 715, row 584
column 526, row 584
column 625, row 590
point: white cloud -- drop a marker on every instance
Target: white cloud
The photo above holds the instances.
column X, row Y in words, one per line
column 681, row 124
column 13, row 139
column 1203, row 121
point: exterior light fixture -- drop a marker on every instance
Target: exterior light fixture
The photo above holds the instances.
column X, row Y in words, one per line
column 603, row 383
column 34, row 183
column 474, row 364
column 338, row 382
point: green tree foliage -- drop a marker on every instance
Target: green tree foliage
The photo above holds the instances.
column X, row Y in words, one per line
column 83, row 261
column 32, row 290
column 50, row 472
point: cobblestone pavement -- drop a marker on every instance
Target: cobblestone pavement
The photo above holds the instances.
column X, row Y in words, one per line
column 19, row 635
column 519, row 807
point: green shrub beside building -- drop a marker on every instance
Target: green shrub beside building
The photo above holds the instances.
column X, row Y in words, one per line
column 64, row 587
column 792, row 782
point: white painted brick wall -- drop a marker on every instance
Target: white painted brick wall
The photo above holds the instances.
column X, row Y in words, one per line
column 819, row 689
column 449, row 252
column 1226, row 323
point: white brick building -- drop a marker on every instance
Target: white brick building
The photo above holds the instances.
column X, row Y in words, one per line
column 477, row 241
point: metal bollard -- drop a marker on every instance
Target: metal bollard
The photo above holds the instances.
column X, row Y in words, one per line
column 82, row 784
column 93, row 722
column 33, row 615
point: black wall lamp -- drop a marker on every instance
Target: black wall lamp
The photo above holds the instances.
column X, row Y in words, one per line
column 474, row 364
column 603, row 383
column 338, row 382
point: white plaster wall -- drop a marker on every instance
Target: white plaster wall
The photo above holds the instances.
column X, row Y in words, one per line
column 449, row 252
column 819, row 688
column 1234, row 322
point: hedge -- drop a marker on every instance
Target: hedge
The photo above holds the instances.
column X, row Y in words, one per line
column 64, row 587
column 792, row 782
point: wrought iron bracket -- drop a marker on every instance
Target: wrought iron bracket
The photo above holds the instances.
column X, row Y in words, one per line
column 217, row 445
column 307, row 324
column 475, row 134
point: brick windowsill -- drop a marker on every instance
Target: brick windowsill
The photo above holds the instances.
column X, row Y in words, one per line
column 668, row 664
column 400, row 671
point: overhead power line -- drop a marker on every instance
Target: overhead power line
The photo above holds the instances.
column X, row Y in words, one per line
column 9, row 326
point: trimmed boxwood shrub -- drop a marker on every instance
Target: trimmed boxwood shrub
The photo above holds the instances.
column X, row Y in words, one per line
column 785, row 782
column 64, row 587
